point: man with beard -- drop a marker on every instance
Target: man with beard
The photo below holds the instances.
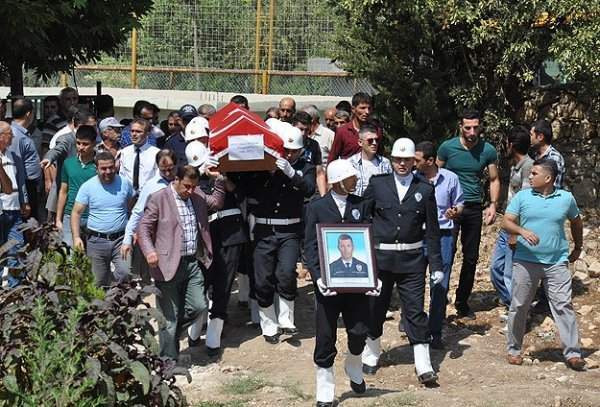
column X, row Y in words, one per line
column 468, row 156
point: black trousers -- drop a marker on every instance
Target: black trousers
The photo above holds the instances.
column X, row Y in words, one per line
column 34, row 192
column 355, row 312
column 275, row 257
column 411, row 290
column 469, row 226
column 221, row 274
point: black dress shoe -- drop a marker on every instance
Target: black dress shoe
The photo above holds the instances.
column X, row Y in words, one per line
column 370, row 370
column 192, row 343
column 212, row 352
column 289, row 331
column 273, row 339
column 324, row 403
column 437, row 343
column 428, row 378
column 358, row 388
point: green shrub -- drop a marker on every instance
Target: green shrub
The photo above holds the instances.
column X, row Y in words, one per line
column 64, row 343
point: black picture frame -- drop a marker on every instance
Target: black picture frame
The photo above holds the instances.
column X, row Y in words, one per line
column 356, row 274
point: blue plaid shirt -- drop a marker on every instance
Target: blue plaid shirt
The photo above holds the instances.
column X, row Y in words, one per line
column 557, row 157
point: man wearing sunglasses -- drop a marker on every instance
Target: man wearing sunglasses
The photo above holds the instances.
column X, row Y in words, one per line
column 468, row 156
column 367, row 162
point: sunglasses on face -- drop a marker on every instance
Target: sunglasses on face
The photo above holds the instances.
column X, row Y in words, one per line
column 371, row 141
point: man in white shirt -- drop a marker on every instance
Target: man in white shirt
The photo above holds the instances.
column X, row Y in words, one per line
column 367, row 162
column 138, row 160
column 318, row 132
column 12, row 199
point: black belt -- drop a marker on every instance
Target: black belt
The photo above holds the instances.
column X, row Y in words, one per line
column 107, row 236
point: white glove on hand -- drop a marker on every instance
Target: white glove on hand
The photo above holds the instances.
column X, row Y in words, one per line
column 324, row 290
column 211, row 162
column 437, row 277
column 376, row 291
column 285, row 167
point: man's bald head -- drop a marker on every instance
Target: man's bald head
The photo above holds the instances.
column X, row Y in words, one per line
column 287, row 108
column 329, row 115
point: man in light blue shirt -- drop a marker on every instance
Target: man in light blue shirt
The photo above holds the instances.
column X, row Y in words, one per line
column 449, row 201
column 537, row 215
column 166, row 160
column 108, row 197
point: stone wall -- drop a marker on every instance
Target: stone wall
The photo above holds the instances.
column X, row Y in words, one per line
column 575, row 118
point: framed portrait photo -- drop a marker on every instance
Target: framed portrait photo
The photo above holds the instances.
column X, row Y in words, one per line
column 346, row 257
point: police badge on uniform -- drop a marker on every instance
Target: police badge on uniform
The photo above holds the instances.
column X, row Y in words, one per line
column 418, row 197
column 359, row 266
column 356, row 215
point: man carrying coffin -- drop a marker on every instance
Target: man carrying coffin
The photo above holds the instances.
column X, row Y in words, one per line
column 279, row 197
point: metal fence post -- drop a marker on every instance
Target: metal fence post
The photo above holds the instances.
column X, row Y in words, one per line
column 266, row 77
column 134, row 58
column 257, row 44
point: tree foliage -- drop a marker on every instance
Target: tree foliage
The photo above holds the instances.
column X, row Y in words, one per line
column 53, row 35
column 431, row 58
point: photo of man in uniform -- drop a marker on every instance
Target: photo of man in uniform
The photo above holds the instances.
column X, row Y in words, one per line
column 347, row 265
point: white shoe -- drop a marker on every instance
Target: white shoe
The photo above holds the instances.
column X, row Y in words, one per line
column 325, row 385
column 371, row 353
column 213, row 333
column 268, row 321
column 422, row 360
column 286, row 315
column 195, row 330
column 353, row 368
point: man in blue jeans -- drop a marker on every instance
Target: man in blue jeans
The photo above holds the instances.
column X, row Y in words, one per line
column 518, row 144
column 449, row 200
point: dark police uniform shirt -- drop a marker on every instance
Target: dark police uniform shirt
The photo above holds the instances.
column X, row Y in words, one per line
column 410, row 221
column 324, row 210
column 356, row 268
column 230, row 230
column 280, row 197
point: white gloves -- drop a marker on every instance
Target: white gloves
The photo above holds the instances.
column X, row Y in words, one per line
column 211, row 162
column 324, row 290
column 437, row 277
column 285, row 167
column 376, row 291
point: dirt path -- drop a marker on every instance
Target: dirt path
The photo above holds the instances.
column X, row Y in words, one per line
column 472, row 369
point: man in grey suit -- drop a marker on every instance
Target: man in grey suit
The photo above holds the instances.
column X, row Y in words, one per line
column 347, row 265
column 175, row 239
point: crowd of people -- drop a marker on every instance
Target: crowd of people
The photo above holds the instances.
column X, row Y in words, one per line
column 142, row 200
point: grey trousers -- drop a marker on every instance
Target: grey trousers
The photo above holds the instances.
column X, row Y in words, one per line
column 102, row 253
column 557, row 286
column 181, row 301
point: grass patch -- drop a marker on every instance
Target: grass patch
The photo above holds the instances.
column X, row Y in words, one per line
column 402, row 400
column 296, row 392
column 244, row 385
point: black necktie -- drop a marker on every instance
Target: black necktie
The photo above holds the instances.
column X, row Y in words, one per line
column 136, row 170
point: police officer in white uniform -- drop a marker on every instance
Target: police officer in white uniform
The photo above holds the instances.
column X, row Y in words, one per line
column 337, row 206
column 278, row 230
column 404, row 218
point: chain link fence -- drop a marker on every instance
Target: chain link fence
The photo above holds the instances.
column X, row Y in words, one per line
column 241, row 46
